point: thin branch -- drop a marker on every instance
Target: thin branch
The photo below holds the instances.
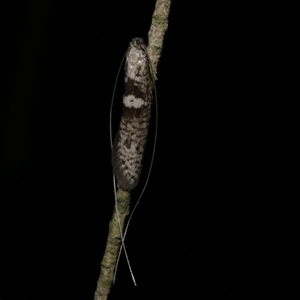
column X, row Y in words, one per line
column 157, row 31
column 112, row 246
column 156, row 34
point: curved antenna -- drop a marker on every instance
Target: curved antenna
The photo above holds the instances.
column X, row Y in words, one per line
column 151, row 163
column 150, row 167
column 115, row 185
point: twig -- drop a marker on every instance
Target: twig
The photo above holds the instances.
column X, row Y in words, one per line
column 157, row 31
column 112, row 246
column 156, row 34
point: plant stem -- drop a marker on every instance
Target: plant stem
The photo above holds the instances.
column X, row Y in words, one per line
column 156, row 34
column 112, row 246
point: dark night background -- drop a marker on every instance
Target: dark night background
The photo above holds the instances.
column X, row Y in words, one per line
column 218, row 219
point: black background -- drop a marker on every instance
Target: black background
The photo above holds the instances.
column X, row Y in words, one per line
column 218, row 219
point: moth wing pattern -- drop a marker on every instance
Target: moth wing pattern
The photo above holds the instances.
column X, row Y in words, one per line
column 131, row 137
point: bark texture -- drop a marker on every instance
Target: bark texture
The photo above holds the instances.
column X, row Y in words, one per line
column 112, row 246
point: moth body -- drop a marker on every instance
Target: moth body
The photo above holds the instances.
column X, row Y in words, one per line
column 130, row 141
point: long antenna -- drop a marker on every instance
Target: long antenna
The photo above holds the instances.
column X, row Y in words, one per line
column 114, row 180
column 150, row 167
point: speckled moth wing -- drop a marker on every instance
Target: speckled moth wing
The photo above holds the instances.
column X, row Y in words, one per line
column 130, row 141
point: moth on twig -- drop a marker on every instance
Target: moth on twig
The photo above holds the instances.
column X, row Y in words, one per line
column 130, row 140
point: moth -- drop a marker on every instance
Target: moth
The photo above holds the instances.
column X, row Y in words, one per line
column 130, row 140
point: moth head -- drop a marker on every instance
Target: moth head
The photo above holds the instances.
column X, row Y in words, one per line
column 136, row 54
column 137, row 43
